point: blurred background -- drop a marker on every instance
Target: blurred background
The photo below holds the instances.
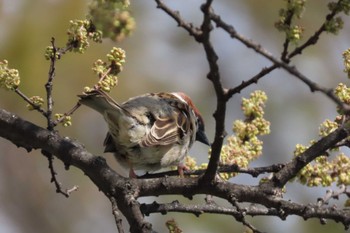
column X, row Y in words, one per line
column 160, row 57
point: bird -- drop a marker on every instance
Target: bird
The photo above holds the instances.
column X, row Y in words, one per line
column 150, row 131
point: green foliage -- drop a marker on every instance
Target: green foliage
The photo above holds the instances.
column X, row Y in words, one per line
column 172, row 226
column 63, row 119
column 107, row 72
column 343, row 93
column 294, row 8
column 341, row 6
column 334, row 25
column 79, row 33
column 324, row 171
column 245, row 146
column 36, row 102
column 327, row 127
column 112, row 18
column 9, row 78
column 346, row 58
column 51, row 53
column 117, row 59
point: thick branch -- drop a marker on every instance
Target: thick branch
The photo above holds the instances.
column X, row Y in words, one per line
column 126, row 191
column 234, row 193
column 290, row 170
column 25, row 134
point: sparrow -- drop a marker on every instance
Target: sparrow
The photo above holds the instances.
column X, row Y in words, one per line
column 151, row 131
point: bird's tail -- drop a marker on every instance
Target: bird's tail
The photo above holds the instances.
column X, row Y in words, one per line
column 99, row 101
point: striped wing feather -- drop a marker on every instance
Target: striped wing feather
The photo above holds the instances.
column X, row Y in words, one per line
column 167, row 131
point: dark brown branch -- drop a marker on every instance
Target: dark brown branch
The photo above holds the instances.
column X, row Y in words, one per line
column 316, row 36
column 126, row 191
column 69, row 113
column 48, row 87
column 50, row 121
column 276, row 206
column 254, row 79
column 30, row 136
column 195, row 32
column 254, row 171
column 290, row 170
column 287, row 23
column 198, row 210
column 214, row 77
column 202, row 35
column 290, row 69
column 25, row 98
column 241, row 215
column 53, row 173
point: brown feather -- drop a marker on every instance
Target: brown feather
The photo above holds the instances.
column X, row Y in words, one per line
column 166, row 131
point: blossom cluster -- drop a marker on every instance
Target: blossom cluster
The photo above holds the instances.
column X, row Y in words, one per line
column 244, row 145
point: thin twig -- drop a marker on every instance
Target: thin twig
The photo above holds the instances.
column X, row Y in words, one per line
column 316, row 36
column 48, row 87
column 102, row 77
column 69, row 113
column 254, row 172
column 240, row 217
column 287, row 22
column 195, row 32
column 290, row 69
column 54, row 174
column 36, row 107
column 330, row 194
column 116, row 214
column 50, row 122
column 252, row 80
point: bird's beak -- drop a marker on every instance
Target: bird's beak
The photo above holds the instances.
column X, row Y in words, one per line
column 201, row 137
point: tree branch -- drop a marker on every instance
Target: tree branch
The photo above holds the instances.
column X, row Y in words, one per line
column 221, row 99
column 290, row 170
column 253, row 171
column 126, row 191
column 316, row 36
column 277, row 63
column 30, row 136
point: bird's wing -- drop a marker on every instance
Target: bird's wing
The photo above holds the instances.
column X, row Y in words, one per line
column 167, row 130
